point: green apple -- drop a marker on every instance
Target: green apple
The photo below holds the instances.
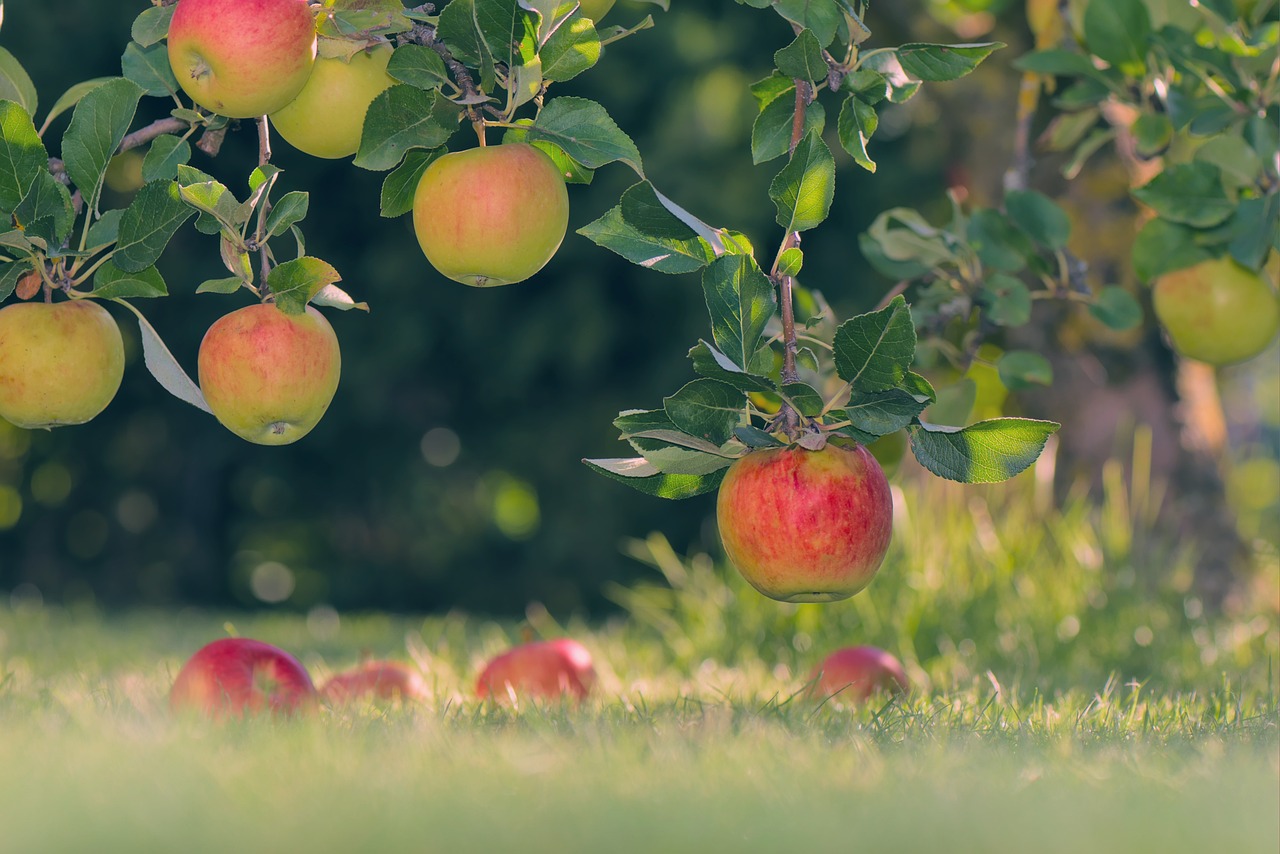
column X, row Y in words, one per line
column 242, row 58
column 269, row 376
column 806, row 526
column 595, row 9
column 491, row 215
column 327, row 118
column 1217, row 311
column 60, row 363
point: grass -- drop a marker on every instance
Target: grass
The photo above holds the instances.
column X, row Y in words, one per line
column 1074, row 694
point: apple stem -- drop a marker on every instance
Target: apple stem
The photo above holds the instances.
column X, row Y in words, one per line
column 479, row 127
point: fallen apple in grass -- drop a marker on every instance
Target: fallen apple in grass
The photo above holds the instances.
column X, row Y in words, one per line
column 60, row 363
column 493, row 215
column 849, row 676
column 375, row 680
column 327, row 117
column 242, row 58
column 268, row 376
column 545, row 669
column 1217, row 311
column 806, row 526
column 233, row 677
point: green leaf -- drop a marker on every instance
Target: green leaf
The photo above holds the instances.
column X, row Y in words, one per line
column 210, row 197
column 986, row 452
column 1162, row 246
column 584, row 130
column 771, row 132
column 998, row 242
column 802, row 59
column 740, row 299
column 100, row 121
column 106, row 230
column 149, row 68
column 1188, row 193
column 886, row 412
column 613, row 232
column 152, row 25
column 706, row 409
column 1116, row 308
column 111, row 282
column 165, row 155
column 10, row 272
column 645, row 212
column 1255, row 230
column 1234, row 157
column 1021, row 369
column 874, row 351
column 572, row 49
column 47, row 198
column 510, row 32
column 791, row 262
column 418, row 66
column 640, row 474
column 1119, row 32
column 22, row 156
column 1008, row 300
column 294, row 283
column 821, row 17
column 709, row 362
column 290, row 210
column 164, row 367
column 804, row 189
column 404, row 118
column 72, row 96
column 1067, row 129
column 459, row 29
column 1038, row 216
column 15, row 83
column 221, row 286
column 858, row 121
column 400, row 186
column 332, row 296
column 803, row 398
column 1152, row 133
column 938, row 62
column 1059, row 63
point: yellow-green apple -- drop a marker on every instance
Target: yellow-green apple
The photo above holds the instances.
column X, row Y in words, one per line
column 806, row 526
column 492, row 215
column 327, row 117
column 849, row 676
column 269, row 376
column 547, row 669
column 242, row 58
column 233, row 677
column 375, row 680
column 595, row 9
column 60, row 363
column 1217, row 311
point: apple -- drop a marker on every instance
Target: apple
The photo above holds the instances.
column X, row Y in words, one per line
column 376, row 680
column 849, row 676
column 492, row 215
column 234, row 676
column 595, row 9
column 1217, row 311
column 60, row 363
column 269, row 376
column 327, row 118
column 806, row 526
column 546, row 669
column 242, row 58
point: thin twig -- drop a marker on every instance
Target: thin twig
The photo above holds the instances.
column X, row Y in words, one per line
column 160, row 127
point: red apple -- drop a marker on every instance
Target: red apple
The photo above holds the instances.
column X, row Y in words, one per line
column 849, row 676
column 376, row 680
column 234, row 676
column 547, row 669
column 491, row 216
column 242, row 58
column 806, row 526
column 269, row 376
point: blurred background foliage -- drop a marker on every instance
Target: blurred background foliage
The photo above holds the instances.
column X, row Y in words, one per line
column 446, row 474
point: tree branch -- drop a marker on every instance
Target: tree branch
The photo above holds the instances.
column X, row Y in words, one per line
column 142, row 136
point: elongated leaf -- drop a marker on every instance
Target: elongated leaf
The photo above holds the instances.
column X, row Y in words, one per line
column 771, row 132
column 937, row 62
column 802, row 58
column 804, row 189
column 645, row 212
column 1117, row 308
column 149, row 68
column 572, row 49
column 47, row 197
column 585, row 131
column 15, row 83
column 404, row 118
column 332, row 296
column 1119, row 31
column 1188, row 193
column 148, row 224
column 10, row 272
column 874, row 351
column 858, row 121
column 822, row 17
column 1022, row 369
column 99, row 122
column 290, row 210
column 1038, row 216
column 165, row 155
column 294, row 283
column 885, row 412
column 663, row 255
column 400, row 186
column 22, row 156
column 164, row 367
column 212, row 198
column 706, row 409
column 72, row 96
column 640, row 474
column 740, row 299
column 152, row 25
column 111, row 282
column 419, row 66
column 711, row 363
column 986, row 452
